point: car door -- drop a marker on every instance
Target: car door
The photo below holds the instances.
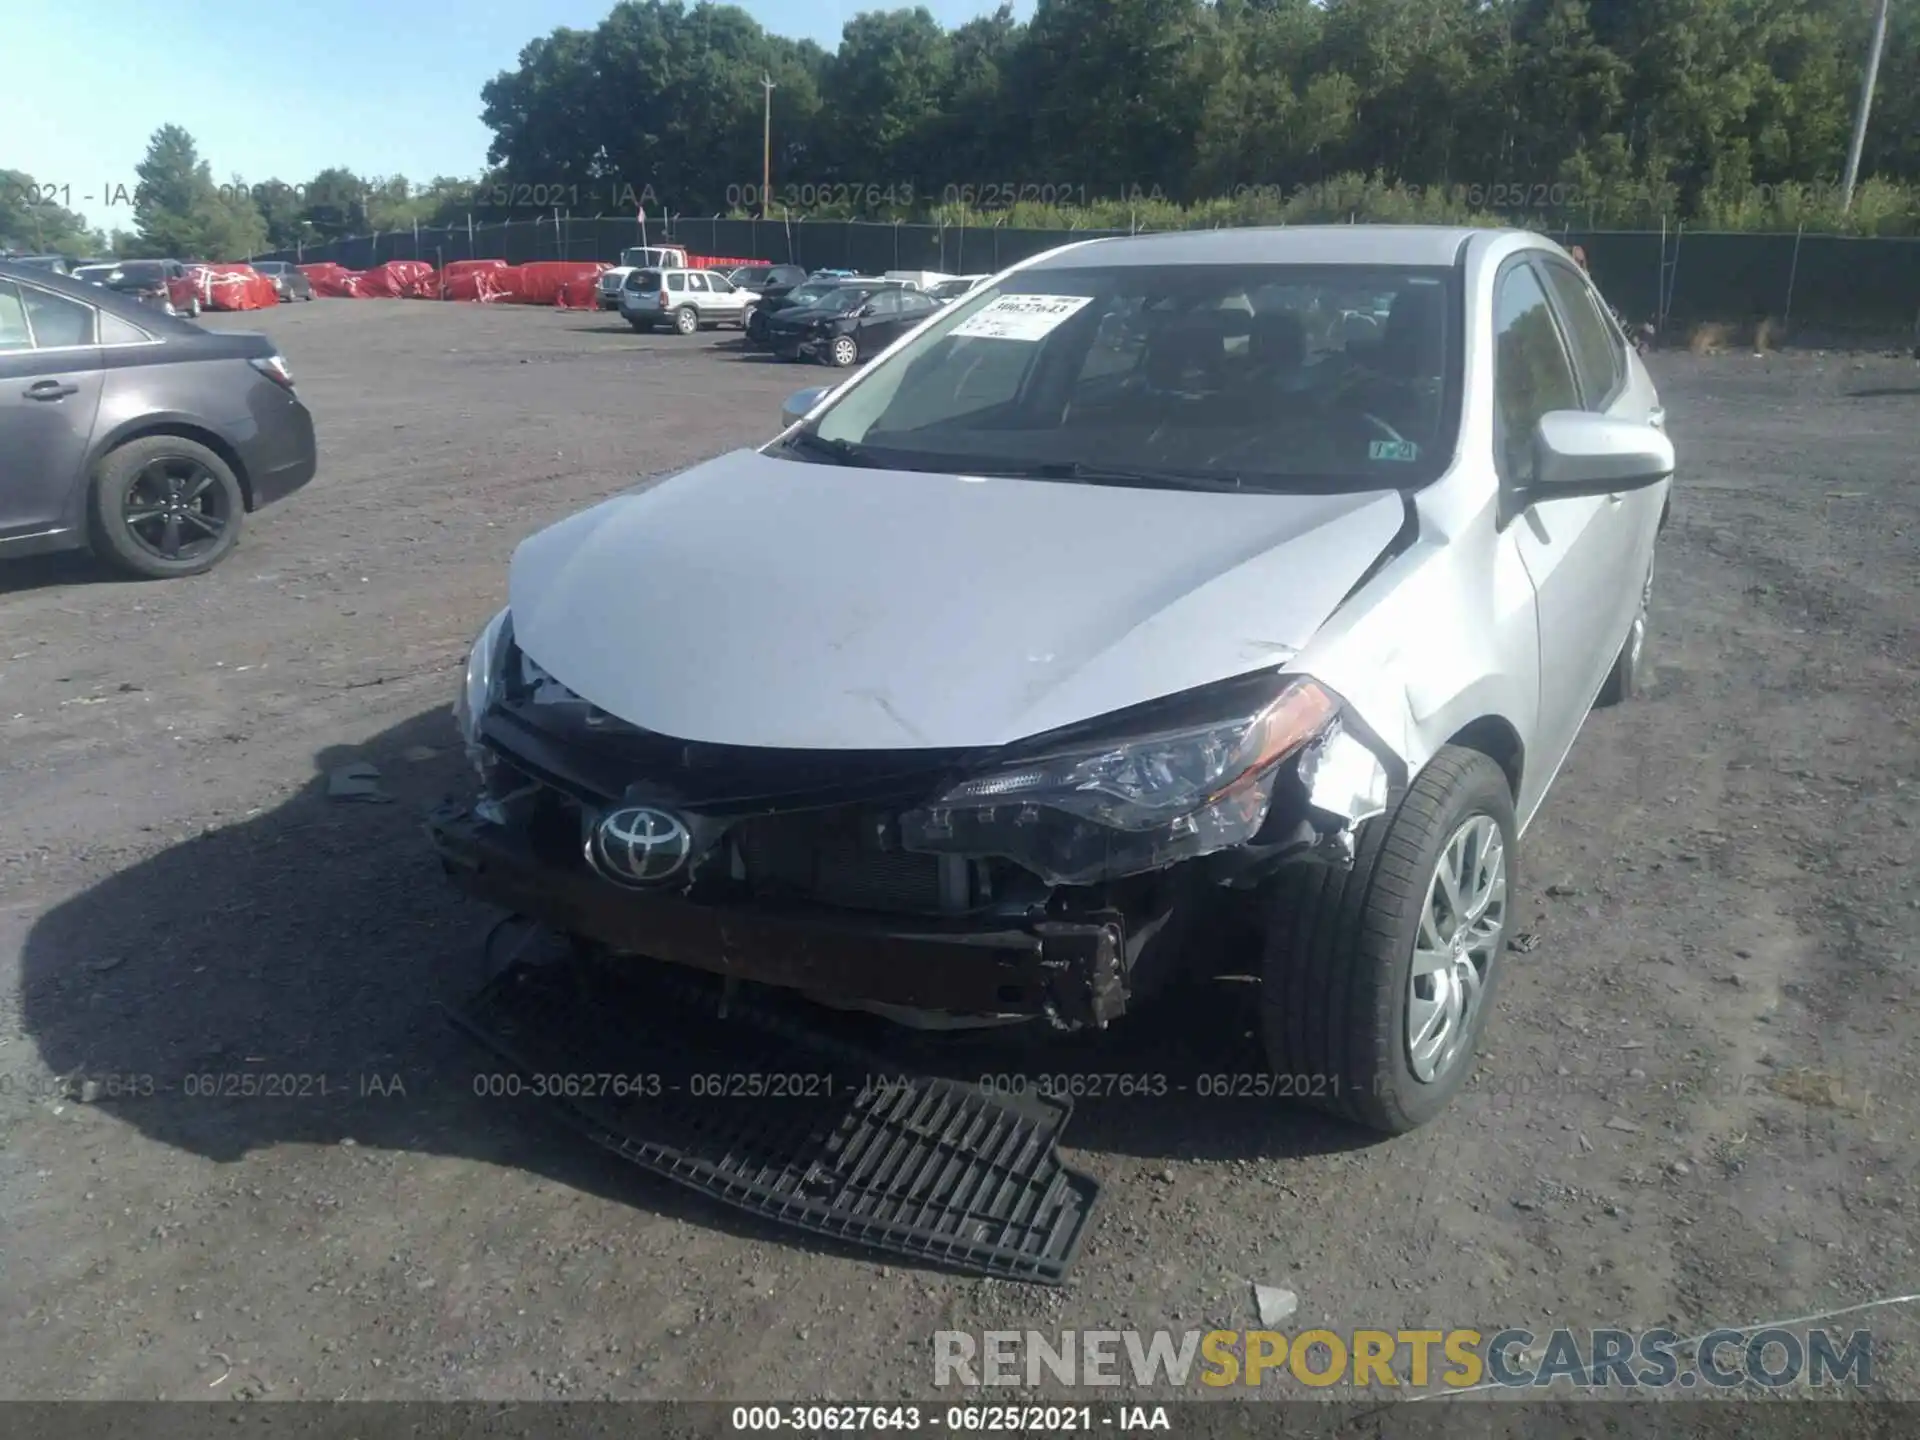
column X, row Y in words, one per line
column 879, row 321
column 728, row 302
column 1574, row 550
column 50, row 380
column 699, row 296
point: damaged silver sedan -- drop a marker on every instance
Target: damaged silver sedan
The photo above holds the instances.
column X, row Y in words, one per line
column 1273, row 569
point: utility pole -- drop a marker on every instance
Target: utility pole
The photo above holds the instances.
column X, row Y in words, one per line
column 1866, row 104
column 766, row 136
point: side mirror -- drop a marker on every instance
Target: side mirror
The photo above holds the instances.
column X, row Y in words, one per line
column 1576, row 453
column 800, row 403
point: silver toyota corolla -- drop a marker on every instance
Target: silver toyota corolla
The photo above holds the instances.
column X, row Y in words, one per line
column 1257, row 576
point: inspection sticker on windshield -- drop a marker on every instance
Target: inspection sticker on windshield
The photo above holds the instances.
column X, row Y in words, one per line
column 1393, row 450
column 1021, row 317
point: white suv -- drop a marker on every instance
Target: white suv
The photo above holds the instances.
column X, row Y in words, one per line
column 684, row 299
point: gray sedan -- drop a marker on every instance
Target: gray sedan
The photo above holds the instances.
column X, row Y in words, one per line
column 138, row 434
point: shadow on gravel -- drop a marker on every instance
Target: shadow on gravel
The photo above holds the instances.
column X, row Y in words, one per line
column 1883, row 392
column 278, row 981
column 69, row 567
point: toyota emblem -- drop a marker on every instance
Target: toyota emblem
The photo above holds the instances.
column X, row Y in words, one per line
column 638, row 846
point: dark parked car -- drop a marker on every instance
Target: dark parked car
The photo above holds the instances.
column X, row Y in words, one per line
column 136, row 433
column 289, row 281
column 761, row 279
column 776, row 301
column 56, row 263
column 850, row 324
column 163, row 284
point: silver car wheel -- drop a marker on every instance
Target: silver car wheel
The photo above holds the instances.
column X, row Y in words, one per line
column 1461, row 921
column 845, row 352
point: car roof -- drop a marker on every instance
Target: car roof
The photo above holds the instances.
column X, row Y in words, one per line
column 112, row 301
column 1273, row 245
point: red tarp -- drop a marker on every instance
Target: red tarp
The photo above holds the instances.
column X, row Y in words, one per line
column 569, row 283
column 467, row 267
column 238, row 287
column 397, row 279
column 483, row 285
column 330, row 279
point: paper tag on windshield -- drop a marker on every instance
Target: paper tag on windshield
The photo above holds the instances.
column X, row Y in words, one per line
column 1021, row 317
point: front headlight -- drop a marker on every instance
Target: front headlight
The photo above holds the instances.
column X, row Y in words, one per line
column 486, row 674
column 1092, row 811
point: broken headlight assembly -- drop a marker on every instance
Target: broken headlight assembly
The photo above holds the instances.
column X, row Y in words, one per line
column 1169, row 782
column 485, row 679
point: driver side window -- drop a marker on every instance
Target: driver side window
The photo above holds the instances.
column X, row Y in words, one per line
column 1531, row 372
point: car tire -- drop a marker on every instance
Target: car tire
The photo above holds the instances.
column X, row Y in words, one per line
column 193, row 308
column 134, row 476
column 1629, row 672
column 686, row 320
column 844, row 351
column 1338, row 985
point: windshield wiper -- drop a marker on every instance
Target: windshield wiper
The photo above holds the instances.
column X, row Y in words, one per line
column 1115, row 475
column 841, row 452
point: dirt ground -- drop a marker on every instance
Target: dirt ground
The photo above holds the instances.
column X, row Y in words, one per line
column 1696, row 1108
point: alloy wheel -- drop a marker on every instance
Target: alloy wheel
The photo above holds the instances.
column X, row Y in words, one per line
column 845, row 352
column 1462, row 920
column 176, row 509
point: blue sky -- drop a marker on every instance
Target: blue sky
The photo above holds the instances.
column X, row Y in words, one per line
column 383, row 87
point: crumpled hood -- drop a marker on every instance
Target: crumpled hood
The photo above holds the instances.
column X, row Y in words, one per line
column 764, row 602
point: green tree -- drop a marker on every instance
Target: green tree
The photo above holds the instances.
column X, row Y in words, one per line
column 179, row 211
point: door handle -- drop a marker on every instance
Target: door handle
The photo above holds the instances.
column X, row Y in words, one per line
column 50, row 390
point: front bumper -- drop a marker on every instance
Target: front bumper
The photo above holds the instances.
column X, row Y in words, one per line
column 1070, row 970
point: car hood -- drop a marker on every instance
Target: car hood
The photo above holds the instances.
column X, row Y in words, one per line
column 763, row 602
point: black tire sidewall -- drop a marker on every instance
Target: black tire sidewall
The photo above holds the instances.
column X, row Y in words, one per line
column 1406, row 1101
column 111, row 479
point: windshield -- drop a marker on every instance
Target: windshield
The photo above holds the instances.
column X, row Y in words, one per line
column 751, row 275
column 813, row 290
column 270, row 267
column 951, row 289
column 94, row 272
column 142, row 272
column 1262, row 376
column 651, row 255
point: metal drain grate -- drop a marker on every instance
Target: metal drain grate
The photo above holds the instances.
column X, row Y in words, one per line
column 758, row 1113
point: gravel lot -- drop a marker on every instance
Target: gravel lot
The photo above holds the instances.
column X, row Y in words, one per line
column 1697, row 1108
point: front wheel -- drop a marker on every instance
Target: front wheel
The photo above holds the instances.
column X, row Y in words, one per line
column 1378, row 980
column 686, row 320
column 165, row 506
column 844, row 352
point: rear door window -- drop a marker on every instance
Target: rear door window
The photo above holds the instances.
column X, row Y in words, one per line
column 57, row 322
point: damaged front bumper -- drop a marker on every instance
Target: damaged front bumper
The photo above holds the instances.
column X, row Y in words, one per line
column 1072, row 971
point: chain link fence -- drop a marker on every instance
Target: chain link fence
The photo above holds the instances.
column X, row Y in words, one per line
column 1669, row 277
